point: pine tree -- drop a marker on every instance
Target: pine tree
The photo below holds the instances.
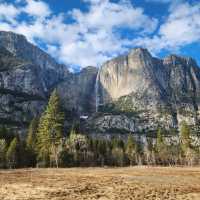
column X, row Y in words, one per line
column 11, row 155
column 131, row 149
column 31, row 135
column 78, row 146
column 185, row 136
column 139, row 152
column 2, row 153
column 101, row 149
column 50, row 131
column 149, row 152
column 161, row 148
column 31, row 142
column 188, row 151
column 159, row 140
column 118, row 156
column 118, row 152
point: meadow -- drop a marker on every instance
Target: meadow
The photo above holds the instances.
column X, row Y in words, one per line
column 130, row 183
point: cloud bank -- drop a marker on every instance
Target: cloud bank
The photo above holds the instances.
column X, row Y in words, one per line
column 79, row 38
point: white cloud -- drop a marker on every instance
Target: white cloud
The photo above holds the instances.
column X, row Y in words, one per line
column 97, row 39
column 107, row 15
column 36, row 8
column 94, row 36
column 8, row 12
column 182, row 27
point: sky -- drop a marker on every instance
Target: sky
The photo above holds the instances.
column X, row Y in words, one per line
column 82, row 33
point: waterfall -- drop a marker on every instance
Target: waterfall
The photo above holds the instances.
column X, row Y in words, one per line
column 97, row 91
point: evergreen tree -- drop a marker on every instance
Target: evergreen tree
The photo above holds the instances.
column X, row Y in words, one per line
column 161, row 148
column 31, row 143
column 185, row 136
column 118, row 152
column 2, row 153
column 131, row 149
column 50, row 131
column 78, row 146
column 11, row 155
column 189, row 152
column 101, row 149
column 31, row 135
column 139, row 152
column 159, row 140
column 149, row 152
column 118, row 156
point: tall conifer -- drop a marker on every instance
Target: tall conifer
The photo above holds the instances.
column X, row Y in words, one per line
column 50, row 130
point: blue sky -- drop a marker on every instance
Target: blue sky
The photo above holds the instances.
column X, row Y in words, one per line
column 79, row 33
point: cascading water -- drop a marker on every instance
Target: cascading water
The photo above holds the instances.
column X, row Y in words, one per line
column 97, row 91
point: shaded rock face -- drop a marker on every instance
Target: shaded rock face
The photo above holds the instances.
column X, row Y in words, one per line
column 27, row 77
column 50, row 71
column 158, row 92
column 22, row 93
column 77, row 92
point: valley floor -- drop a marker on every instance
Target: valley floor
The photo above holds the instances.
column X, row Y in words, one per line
column 138, row 183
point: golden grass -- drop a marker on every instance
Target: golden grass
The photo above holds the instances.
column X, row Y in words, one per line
column 138, row 183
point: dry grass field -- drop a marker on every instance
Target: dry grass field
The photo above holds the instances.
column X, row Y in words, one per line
column 137, row 183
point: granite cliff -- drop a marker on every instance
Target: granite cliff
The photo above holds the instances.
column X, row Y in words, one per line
column 148, row 92
column 131, row 93
column 27, row 77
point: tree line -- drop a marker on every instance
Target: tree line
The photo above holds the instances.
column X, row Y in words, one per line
column 46, row 146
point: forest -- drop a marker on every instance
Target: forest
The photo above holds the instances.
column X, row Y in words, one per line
column 46, row 145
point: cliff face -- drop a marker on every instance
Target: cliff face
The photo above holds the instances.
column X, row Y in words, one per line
column 131, row 93
column 77, row 92
column 28, row 76
column 153, row 92
column 49, row 70
column 127, row 74
column 22, row 93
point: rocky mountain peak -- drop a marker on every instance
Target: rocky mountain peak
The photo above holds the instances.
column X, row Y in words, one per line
column 139, row 51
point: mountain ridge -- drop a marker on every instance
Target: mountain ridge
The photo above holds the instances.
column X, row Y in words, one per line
column 135, row 92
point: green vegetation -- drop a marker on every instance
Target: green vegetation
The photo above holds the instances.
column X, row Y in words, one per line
column 189, row 152
column 2, row 153
column 131, row 150
column 122, row 106
column 31, row 142
column 46, row 145
column 12, row 154
column 50, row 130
